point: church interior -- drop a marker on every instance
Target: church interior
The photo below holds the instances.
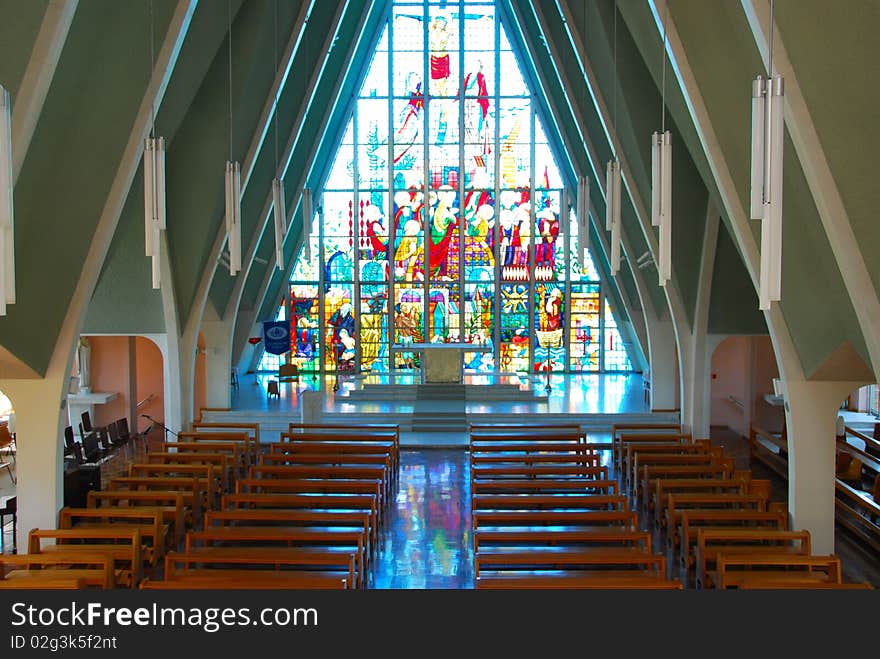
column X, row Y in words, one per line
column 439, row 294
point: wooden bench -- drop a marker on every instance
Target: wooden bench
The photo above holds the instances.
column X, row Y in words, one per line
column 486, row 502
column 193, row 490
column 222, row 463
column 858, row 513
column 662, row 448
column 325, row 472
column 91, row 570
column 205, row 472
column 545, row 486
column 670, row 514
column 43, row 583
column 252, row 429
column 325, row 502
column 252, row 580
column 170, row 503
column 722, row 469
column 714, row 542
column 765, row 569
column 237, row 453
column 147, row 521
column 340, row 459
column 691, row 520
column 530, row 537
column 567, row 580
column 349, row 519
column 564, row 518
column 579, row 560
column 352, row 434
column 641, row 429
column 315, row 487
column 542, row 471
column 641, row 460
column 301, row 568
column 249, row 446
column 739, row 484
column 770, row 449
column 263, row 541
column 123, row 546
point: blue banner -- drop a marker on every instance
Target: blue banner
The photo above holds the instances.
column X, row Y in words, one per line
column 276, row 335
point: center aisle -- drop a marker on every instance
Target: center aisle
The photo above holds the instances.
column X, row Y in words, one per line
column 427, row 540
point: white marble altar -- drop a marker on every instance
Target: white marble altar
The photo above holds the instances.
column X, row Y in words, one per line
column 442, row 362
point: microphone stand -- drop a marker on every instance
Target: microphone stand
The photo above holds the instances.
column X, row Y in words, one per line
column 161, row 425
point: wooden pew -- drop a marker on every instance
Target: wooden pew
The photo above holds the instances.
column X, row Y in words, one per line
column 193, row 490
column 765, row 569
column 587, row 580
column 723, row 469
column 538, row 472
column 206, row 472
column 487, row 502
column 348, row 434
column 578, row 561
column 739, row 484
column 250, row 447
column 325, row 472
column 678, row 503
column 643, row 429
column 170, row 503
column 147, row 521
column 357, row 520
column 264, row 541
column 858, row 513
column 337, row 459
column 315, row 487
column 692, row 520
column 252, row 429
column 714, row 542
column 564, row 518
column 222, row 464
column 301, row 569
column 770, row 449
column 236, row 453
column 598, row 536
column 123, row 546
column 545, row 486
column 59, row 583
column 641, row 460
column 92, row 570
column 326, row 502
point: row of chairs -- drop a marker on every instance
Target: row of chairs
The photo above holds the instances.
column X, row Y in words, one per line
column 98, row 443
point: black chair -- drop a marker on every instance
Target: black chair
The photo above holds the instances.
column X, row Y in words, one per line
column 117, row 442
column 69, row 441
column 87, row 422
column 10, row 507
column 125, row 434
column 91, row 447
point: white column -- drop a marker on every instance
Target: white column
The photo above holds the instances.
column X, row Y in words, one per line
column 40, row 416
column 218, row 361
column 811, row 418
column 662, row 349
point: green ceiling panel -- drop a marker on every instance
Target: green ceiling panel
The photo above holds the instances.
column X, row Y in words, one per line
column 733, row 306
column 834, row 54
column 817, row 309
column 75, row 152
column 124, row 301
column 18, row 30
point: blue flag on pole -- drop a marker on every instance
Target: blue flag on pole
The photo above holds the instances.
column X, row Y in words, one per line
column 276, row 335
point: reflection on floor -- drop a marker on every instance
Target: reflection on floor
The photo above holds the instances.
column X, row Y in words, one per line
column 427, row 540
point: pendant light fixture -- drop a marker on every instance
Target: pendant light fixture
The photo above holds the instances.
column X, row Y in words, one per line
column 583, row 218
column 154, row 181
column 7, row 211
column 279, row 205
column 768, row 131
column 612, row 178
column 232, row 185
column 661, row 180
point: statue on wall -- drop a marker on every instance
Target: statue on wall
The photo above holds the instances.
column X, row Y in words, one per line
column 83, row 353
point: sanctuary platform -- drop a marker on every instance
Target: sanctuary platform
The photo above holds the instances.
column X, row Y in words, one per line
column 439, row 414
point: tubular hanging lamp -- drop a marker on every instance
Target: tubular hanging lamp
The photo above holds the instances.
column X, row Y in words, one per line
column 612, row 179
column 279, row 205
column 308, row 212
column 232, row 181
column 154, row 184
column 661, row 182
column 7, row 211
column 583, row 217
column 765, row 199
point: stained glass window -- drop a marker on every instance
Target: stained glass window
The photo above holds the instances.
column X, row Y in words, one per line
column 443, row 218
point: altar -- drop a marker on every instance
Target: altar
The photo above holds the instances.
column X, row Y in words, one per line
column 442, row 362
